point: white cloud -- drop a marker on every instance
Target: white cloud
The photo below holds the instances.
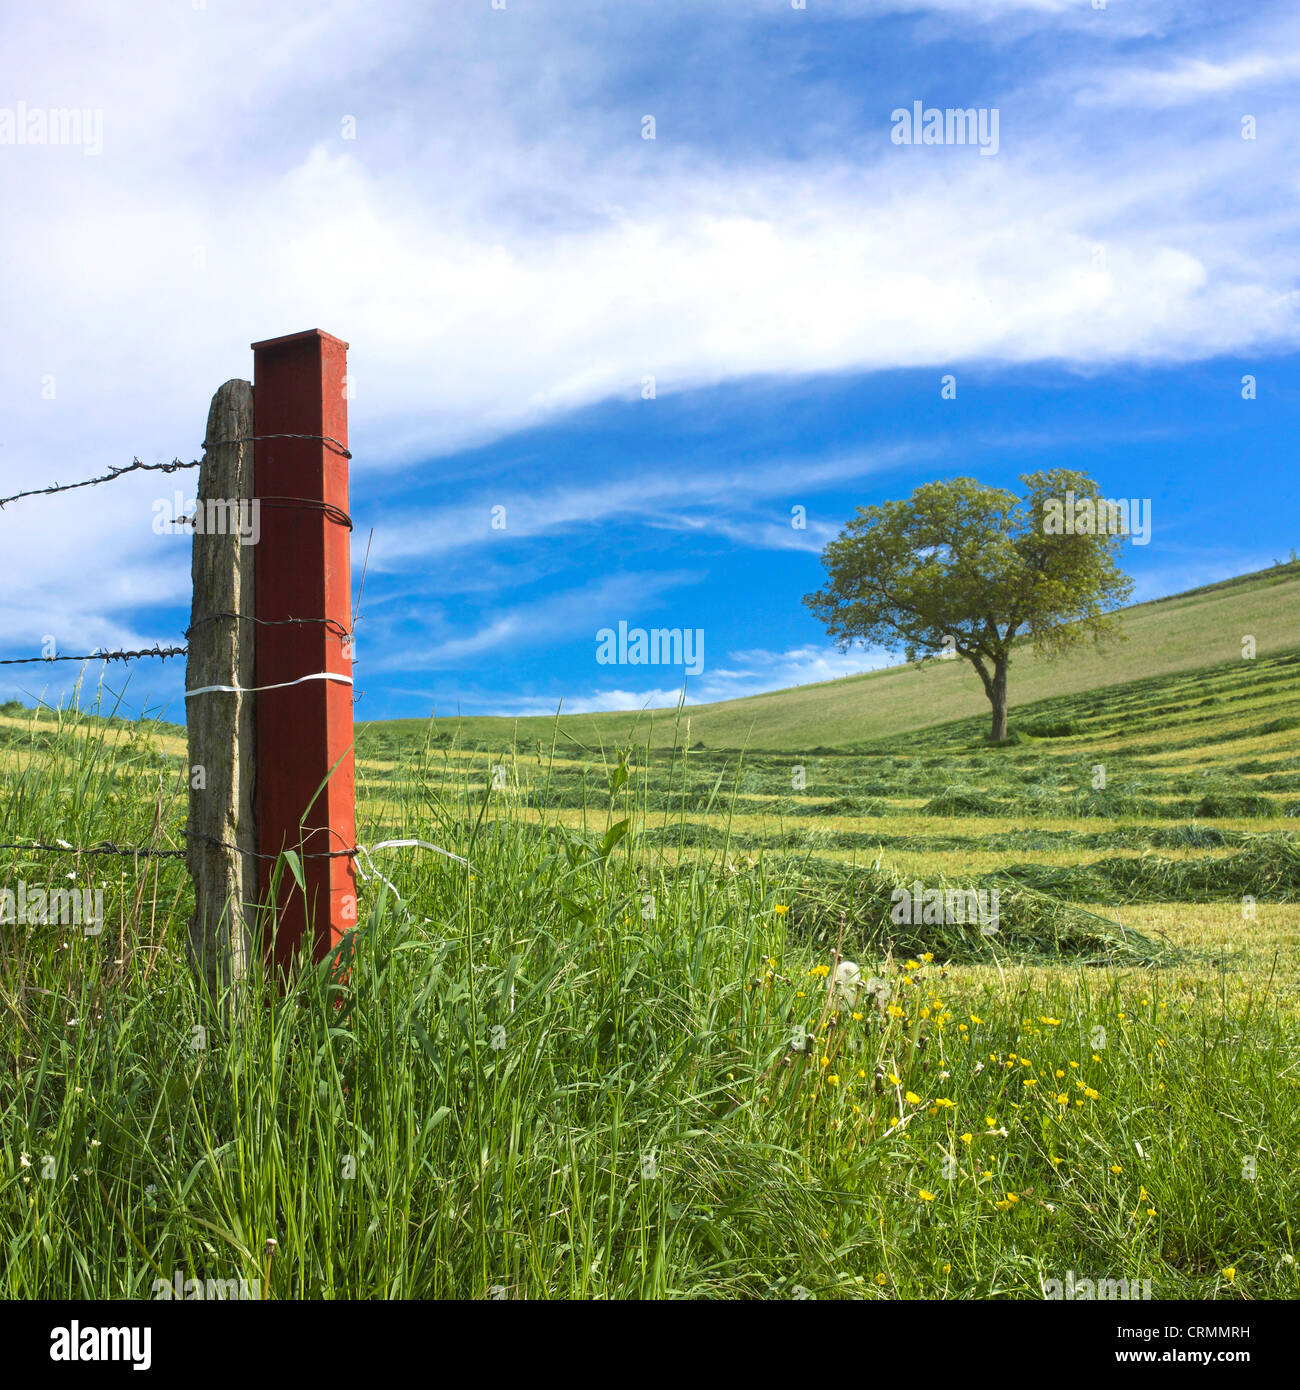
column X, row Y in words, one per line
column 745, row 673
column 1191, row 79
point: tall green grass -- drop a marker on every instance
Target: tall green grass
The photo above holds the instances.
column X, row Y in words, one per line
column 587, row 1066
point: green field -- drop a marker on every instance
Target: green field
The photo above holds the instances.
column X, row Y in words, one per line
column 602, row 1059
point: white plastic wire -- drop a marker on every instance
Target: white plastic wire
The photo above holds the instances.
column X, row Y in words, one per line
column 282, row 685
column 399, row 844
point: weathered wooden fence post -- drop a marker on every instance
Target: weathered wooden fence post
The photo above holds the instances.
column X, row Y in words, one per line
column 304, row 795
column 219, row 726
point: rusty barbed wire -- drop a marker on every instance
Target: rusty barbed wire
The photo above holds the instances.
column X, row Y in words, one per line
column 334, row 513
column 163, row 652
column 214, row 843
column 109, row 847
column 332, row 623
column 112, row 475
column 136, row 466
column 253, row 438
column 104, row 847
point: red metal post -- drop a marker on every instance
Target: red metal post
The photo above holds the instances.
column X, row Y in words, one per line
column 303, row 570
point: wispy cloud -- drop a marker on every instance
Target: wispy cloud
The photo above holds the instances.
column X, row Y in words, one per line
column 1191, row 79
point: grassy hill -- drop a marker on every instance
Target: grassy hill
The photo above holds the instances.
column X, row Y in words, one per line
column 1166, row 636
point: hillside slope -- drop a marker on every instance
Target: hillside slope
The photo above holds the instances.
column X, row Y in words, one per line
column 1181, row 633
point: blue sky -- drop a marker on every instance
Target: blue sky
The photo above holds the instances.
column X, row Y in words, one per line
column 465, row 194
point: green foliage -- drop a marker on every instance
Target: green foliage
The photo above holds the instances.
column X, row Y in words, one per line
column 964, row 569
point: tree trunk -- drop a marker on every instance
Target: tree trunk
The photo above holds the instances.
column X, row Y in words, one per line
column 998, row 695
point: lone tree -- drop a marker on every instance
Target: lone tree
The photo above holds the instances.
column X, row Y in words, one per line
column 959, row 569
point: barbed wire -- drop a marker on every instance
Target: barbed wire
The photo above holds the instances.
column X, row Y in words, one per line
column 214, row 843
column 334, row 513
column 253, row 438
column 332, row 623
column 104, row 847
column 311, row 503
column 112, row 475
column 136, row 466
column 109, row 847
column 155, row 650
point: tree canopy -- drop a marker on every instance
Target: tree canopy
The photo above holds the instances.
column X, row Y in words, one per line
column 961, row 569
